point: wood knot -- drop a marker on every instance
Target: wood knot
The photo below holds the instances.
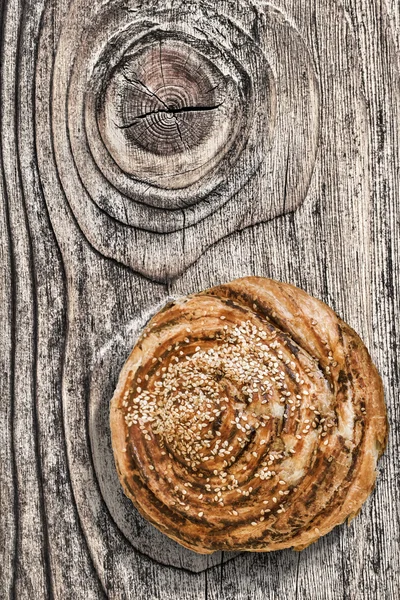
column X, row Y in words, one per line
column 168, row 114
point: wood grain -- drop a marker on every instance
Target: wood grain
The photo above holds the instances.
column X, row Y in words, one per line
column 307, row 193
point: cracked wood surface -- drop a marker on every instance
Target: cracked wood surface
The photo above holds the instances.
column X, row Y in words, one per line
column 268, row 145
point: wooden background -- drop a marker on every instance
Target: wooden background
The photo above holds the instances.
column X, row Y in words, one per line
column 292, row 171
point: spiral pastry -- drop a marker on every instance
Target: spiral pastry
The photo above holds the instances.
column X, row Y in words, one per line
column 248, row 417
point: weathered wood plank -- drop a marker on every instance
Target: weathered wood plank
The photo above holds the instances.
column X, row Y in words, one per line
column 8, row 512
column 311, row 200
column 30, row 543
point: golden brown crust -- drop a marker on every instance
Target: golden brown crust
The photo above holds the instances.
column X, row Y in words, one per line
column 248, row 417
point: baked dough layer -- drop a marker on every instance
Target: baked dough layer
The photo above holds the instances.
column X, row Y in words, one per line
column 248, row 417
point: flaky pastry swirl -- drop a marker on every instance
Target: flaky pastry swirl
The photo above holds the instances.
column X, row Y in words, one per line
column 248, row 417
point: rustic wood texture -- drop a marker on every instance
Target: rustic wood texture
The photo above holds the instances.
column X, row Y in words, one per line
column 278, row 127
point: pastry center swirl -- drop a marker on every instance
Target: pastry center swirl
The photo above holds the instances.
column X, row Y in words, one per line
column 232, row 409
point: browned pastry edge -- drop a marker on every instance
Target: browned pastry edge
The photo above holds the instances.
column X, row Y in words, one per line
column 317, row 330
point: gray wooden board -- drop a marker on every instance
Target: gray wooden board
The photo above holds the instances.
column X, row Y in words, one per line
column 304, row 189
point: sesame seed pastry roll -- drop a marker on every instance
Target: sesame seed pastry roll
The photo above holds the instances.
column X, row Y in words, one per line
column 248, row 417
